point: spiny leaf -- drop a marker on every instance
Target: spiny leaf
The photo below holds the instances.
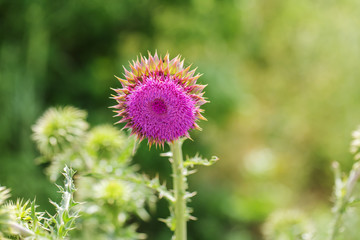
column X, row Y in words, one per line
column 160, row 188
column 198, row 160
column 170, row 222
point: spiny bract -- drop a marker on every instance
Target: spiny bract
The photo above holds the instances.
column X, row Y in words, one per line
column 160, row 99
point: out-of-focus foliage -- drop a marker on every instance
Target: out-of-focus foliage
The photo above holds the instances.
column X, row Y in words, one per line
column 292, row 224
column 4, row 213
column 101, row 156
column 282, row 79
column 288, row 225
column 58, row 130
column 346, row 194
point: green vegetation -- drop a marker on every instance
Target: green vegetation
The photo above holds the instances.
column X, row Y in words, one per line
column 282, row 79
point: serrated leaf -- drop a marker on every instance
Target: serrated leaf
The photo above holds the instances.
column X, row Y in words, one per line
column 189, row 195
column 160, row 188
column 170, row 222
column 198, row 160
column 166, row 154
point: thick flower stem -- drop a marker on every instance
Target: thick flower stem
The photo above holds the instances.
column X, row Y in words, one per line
column 179, row 182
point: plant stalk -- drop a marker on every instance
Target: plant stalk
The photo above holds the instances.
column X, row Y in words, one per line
column 336, row 224
column 179, row 182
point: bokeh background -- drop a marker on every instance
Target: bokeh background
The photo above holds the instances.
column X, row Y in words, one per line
column 283, row 81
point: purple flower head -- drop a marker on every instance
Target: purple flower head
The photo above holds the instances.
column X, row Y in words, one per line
column 160, row 99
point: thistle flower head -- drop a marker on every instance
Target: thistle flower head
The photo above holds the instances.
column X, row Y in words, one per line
column 160, row 99
column 59, row 128
column 113, row 191
column 105, row 141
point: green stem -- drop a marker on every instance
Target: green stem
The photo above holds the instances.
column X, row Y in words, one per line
column 179, row 183
column 335, row 227
column 336, row 223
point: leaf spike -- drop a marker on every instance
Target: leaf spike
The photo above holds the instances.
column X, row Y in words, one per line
column 191, row 73
column 186, row 70
column 166, row 58
column 123, row 82
column 134, row 70
column 201, row 117
column 197, row 127
column 156, row 57
column 181, row 64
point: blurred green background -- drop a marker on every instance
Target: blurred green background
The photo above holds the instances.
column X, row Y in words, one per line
column 283, row 81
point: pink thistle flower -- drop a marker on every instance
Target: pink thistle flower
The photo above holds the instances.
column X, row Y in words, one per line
column 160, row 99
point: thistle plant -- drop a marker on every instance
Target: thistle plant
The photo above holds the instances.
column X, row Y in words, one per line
column 21, row 220
column 64, row 220
column 102, row 158
column 59, row 134
column 160, row 101
column 344, row 188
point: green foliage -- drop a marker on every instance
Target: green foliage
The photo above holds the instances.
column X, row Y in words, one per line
column 282, row 77
column 288, row 225
column 65, row 217
column 103, row 142
column 22, row 220
column 101, row 156
column 57, row 132
column 293, row 225
column 345, row 188
column 170, row 195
